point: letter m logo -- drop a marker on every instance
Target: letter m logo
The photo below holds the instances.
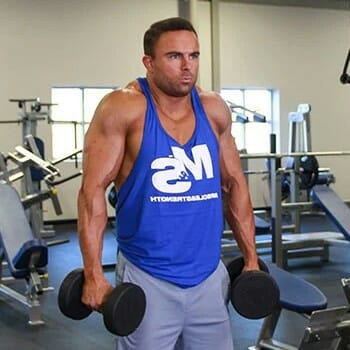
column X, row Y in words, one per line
column 201, row 160
column 172, row 176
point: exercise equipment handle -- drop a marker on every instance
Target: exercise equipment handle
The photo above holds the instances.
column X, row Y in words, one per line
column 345, row 78
column 62, row 180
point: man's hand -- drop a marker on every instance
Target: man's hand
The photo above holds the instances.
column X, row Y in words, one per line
column 95, row 292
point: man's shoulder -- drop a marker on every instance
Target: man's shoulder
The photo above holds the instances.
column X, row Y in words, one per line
column 216, row 109
column 211, row 100
column 128, row 100
column 130, row 93
column 134, row 86
column 121, row 107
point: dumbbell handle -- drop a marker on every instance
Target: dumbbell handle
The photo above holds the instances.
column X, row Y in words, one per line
column 105, row 297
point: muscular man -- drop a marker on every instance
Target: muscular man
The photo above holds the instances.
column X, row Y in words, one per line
column 167, row 147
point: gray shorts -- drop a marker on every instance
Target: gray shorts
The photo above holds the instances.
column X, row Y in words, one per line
column 195, row 318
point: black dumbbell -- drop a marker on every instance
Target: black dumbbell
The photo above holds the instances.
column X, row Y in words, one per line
column 122, row 312
column 253, row 294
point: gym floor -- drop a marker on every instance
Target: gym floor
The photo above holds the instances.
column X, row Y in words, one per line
column 60, row 333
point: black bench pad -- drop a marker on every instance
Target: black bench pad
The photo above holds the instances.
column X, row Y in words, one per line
column 296, row 294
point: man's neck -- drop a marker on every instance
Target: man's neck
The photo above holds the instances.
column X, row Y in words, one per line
column 172, row 107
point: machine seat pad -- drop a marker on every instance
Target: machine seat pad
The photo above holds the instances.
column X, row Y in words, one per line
column 21, row 260
column 262, row 227
column 296, row 294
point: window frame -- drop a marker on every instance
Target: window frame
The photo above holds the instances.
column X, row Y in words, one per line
column 247, row 113
column 82, row 120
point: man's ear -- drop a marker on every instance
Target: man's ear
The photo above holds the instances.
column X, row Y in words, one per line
column 147, row 62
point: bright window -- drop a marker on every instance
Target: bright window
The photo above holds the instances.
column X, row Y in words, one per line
column 72, row 116
column 251, row 111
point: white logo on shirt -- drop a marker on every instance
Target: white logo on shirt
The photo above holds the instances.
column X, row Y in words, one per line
column 174, row 171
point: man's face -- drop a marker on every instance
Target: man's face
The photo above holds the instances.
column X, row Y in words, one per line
column 174, row 67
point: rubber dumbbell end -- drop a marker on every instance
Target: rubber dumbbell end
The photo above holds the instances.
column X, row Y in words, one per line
column 69, row 296
column 254, row 294
column 124, row 309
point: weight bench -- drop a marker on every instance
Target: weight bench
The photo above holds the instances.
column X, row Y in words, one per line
column 326, row 327
column 334, row 207
column 24, row 255
column 318, row 243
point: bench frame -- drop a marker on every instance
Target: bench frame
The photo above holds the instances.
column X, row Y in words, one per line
column 327, row 328
column 23, row 257
column 31, row 292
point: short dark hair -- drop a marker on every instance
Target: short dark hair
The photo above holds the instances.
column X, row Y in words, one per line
column 158, row 28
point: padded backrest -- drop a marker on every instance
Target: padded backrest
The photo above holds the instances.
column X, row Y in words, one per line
column 14, row 226
column 334, row 207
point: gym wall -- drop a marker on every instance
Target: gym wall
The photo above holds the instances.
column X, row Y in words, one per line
column 300, row 51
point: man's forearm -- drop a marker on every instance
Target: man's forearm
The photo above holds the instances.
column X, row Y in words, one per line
column 241, row 220
column 91, row 225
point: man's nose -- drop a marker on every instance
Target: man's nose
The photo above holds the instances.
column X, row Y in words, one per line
column 186, row 62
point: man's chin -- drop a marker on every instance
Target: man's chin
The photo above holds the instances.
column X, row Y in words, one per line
column 184, row 89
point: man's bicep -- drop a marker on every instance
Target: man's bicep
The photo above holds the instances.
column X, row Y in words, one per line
column 232, row 177
column 103, row 152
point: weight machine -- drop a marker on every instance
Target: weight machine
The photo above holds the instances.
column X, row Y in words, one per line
column 29, row 116
column 30, row 166
column 17, row 165
column 24, row 254
column 298, row 168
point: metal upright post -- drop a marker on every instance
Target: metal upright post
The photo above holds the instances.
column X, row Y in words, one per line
column 276, row 205
column 276, row 213
column 299, row 141
column 295, row 193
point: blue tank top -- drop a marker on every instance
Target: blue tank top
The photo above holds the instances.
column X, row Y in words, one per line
column 169, row 219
